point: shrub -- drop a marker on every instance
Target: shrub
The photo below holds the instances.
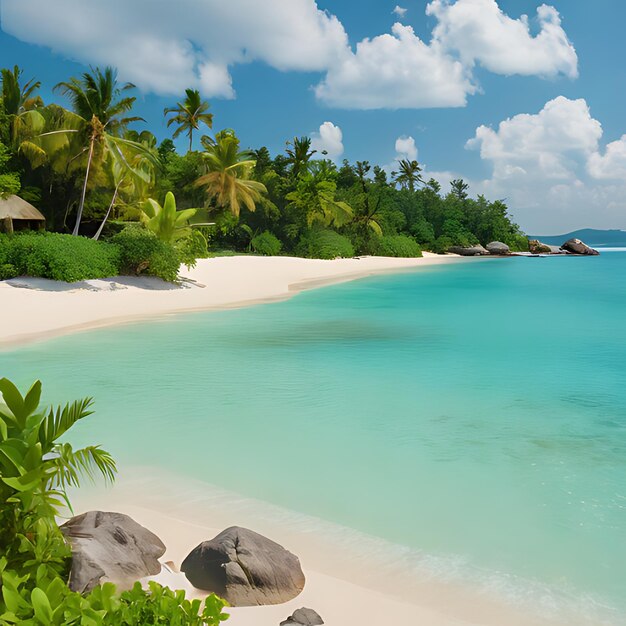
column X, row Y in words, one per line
column 266, row 243
column 60, row 257
column 324, row 244
column 36, row 469
column 191, row 248
column 398, row 246
column 442, row 244
column 141, row 253
column 7, row 270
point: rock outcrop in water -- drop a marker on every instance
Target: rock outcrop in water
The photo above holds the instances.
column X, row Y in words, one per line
column 576, row 246
column 245, row 568
column 303, row 617
column 477, row 250
column 110, row 547
column 498, row 248
column 537, row 247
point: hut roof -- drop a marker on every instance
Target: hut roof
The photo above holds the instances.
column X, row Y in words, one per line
column 18, row 209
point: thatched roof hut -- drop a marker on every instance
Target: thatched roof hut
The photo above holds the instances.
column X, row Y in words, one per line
column 17, row 214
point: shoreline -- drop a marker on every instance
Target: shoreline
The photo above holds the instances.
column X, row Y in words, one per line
column 215, row 284
column 351, row 577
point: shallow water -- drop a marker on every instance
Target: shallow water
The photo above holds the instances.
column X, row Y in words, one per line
column 474, row 412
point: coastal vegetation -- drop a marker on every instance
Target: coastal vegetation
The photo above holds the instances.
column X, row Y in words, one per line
column 94, row 173
column 37, row 466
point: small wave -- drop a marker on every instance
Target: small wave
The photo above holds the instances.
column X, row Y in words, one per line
column 436, row 580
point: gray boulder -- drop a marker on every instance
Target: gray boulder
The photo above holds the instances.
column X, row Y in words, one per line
column 244, row 568
column 303, row 617
column 498, row 248
column 110, row 547
column 537, row 247
column 477, row 250
column 576, row 246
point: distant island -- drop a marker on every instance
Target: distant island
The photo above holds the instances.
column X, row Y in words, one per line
column 592, row 236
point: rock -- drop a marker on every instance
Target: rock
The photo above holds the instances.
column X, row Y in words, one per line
column 471, row 251
column 245, row 568
column 557, row 250
column 110, row 547
column 303, row 617
column 498, row 248
column 576, row 246
column 536, row 247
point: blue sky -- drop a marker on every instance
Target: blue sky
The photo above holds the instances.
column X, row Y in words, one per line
column 289, row 66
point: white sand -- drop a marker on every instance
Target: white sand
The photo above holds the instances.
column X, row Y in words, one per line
column 30, row 314
column 37, row 313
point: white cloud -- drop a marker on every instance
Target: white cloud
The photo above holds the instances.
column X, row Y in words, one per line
column 611, row 164
column 165, row 47
column 399, row 11
column 480, row 32
column 329, row 139
column 550, row 168
column 395, row 71
column 406, row 148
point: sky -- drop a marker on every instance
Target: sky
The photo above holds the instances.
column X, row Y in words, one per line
column 523, row 100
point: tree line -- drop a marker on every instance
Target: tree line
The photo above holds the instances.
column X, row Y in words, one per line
column 90, row 171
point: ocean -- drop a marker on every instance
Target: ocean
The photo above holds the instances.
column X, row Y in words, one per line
column 473, row 415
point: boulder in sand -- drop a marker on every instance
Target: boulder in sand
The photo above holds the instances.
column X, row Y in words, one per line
column 245, row 568
column 110, row 547
column 537, row 247
column 498, row 248
column 303, row 617
column 477, row 250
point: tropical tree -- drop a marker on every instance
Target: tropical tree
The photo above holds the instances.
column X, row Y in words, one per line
column 459, row 189
column 17, row 99
column 299, row 154
column 227, row 181
column 408, row 175
column 101, row 106
column 189, row 114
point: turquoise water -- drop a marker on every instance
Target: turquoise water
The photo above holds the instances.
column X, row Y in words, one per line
column 474, row 411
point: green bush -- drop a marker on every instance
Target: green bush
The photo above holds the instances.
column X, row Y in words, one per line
column 35, row 471
column 59, row 257
column 141, row 253
column 191, row 248
column 7, row 270
column 266, row 243
column 324, row 244
column 442, row 244
column 398, row 246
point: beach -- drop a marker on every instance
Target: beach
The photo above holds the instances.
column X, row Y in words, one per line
column 36, row 313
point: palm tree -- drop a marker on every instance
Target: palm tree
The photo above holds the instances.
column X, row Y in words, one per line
column 227, row 180
column 299, row 154
column 18, row 99
column 409, row 174
column 101, row 104
column 189, row 114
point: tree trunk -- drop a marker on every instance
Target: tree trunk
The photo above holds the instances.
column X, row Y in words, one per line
column 106, row 217
column 79, row 215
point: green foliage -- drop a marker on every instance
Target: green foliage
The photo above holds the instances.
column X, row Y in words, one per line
column 165, row 221
column 9, row 181
column 266, row 243
column 398, row 246
column 441, row 244
column 324, row 244
column 59, row 257
column 142, row 253
column 192, row 247
column 35, row 470
column 7, row 270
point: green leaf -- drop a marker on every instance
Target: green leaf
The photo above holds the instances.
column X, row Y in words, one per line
column 33, row 397
column 13, row 399
column 41, row 605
